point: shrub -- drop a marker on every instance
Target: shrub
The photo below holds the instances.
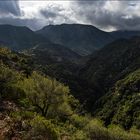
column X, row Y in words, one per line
column 40, row 127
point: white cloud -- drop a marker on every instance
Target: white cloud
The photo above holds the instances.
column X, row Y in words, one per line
column 47, row 12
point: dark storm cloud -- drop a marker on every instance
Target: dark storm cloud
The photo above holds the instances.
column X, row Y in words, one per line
column 106, row 14
column 9, row 7
column 48, row 14
column 10, row 12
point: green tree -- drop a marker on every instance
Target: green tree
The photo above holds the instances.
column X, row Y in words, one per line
column 47, row 95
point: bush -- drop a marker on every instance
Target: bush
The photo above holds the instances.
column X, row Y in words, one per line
column 79, row 121
column 42, row 128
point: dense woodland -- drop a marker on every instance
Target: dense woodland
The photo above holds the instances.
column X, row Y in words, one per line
column 51, row 92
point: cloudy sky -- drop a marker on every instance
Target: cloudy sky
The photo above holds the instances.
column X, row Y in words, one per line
column 105, row 14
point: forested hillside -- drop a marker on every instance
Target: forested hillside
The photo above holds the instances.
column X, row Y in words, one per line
column 35, row 106
column 49, row 53
column 124, row 101
column 112, row 62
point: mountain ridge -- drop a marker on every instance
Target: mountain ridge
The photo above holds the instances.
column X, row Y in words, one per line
column 19, row 37
column 83, row 39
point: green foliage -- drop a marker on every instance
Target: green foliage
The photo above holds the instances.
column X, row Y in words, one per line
column 121, row 105
column 47, row 95
column 79, row 121
column 4, row 51
column 8, row 79
column 16, row 61
column 40, row 127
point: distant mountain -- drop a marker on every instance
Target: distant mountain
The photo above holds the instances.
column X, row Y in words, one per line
column 83, row 39
column 19, row 38
column 124, row 34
